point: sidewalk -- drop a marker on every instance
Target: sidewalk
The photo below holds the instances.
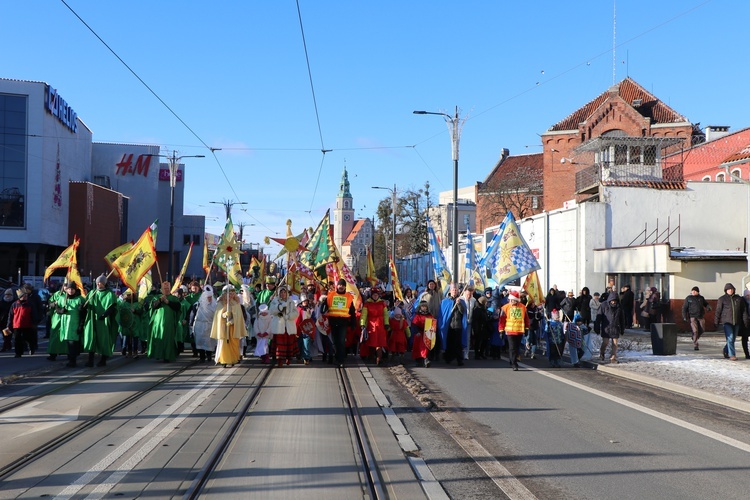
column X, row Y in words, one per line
column 703, row 374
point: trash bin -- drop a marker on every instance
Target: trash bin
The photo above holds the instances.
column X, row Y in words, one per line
column 664, row 339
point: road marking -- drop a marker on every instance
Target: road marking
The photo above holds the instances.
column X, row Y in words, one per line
column 648, row 411
column 197, row 398
column 30, row 418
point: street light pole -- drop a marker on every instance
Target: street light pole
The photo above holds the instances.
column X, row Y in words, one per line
column 228, row 204
column 454, row 126
column 393, row 235
column 174, row 165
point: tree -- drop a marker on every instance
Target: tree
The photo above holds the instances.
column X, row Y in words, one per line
column 518, row 191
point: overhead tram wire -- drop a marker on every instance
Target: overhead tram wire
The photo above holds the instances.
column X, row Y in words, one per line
column 315, row 105
column 211, row 149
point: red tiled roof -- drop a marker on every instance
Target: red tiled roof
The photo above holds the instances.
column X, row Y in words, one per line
column 355, row 230
column 510, row 164
column 704, row 159
column 667, row 185
column 628, row 90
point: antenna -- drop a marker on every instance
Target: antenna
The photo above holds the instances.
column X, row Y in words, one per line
column 614, row 41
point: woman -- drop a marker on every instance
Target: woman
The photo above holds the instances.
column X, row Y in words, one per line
column 305, row 325
column 425, row 327
column 654, row 306
column 283, row 328
column 374, row 321
column 202, row 319
column 228, row 327
column 612, row 325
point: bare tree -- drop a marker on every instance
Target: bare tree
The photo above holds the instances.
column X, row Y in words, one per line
column 519, row 191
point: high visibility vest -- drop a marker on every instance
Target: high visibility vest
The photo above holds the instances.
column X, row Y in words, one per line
column 339, row 305
column 514, row 317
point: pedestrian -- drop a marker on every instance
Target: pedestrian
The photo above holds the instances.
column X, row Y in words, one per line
column 693, row 312
column 514, row 321
column 555, row 339
column 627, row 302
column 5, row 305
column 425, row 334
column 100, row 324
column 305, row 325
column 21, row 322
column 453, row 327
column 595, row 304
column 228, row 327
column 612, row 325
column 339, row 308
column 398, row 337
column 469, row 303
column 128, row 322
column 583, row 305
column 323, row 327
column 480, row 327
column 568, row 306
column 731, row 311
column 745, row 330
column 653, row 306
column 536, row 313
column 574, row 332
column 283, row 327
column 551, row 302
column 262, row 333
column 374, row 320
column 56, row 345
column 165, row 318
column 434, row 298
column 202, row 318
column 69, row 320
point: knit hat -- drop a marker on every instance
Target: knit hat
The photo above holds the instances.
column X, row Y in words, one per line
column 101, row 279
column 340, row 282
column 397, row 312
column 696, row 289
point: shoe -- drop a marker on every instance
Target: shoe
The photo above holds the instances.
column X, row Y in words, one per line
column 601, row 357
column 71, row 365
column 533, row 356
column 307, row 361
column 613, row 360
column 288, row 361
column 696, row 347
column 515, row 368
column 726, row 356
column 426, row 363
column 733, row 358
column 281, row 363
column 576, row 365
column 18, row 355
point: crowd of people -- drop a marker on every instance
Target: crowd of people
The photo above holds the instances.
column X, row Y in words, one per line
column 224, row 324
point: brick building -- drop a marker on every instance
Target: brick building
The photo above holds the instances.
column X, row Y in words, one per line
column 625, row 132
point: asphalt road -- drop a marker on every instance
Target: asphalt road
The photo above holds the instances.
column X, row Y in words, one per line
column 574, row 433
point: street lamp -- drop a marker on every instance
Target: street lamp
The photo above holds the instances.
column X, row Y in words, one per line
column 393, row 236
column 454, row 126
column 228, row 204
column 174, row 164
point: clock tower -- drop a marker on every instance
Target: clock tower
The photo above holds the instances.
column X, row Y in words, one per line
column 343, row 214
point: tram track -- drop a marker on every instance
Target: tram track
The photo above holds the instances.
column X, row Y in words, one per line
column 41, row 451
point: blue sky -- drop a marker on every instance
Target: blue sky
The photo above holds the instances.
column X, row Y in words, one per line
column 235, row 72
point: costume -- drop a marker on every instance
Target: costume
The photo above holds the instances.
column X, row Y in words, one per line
column 341, row 316
column 165, row 315
column 262, row 332
column 129, row 324
column 305, row 326
column 284, row 313
column 55, row 345
column 426, row 325
column 202, row 320
column 514, row 321
column 374, row 319
column 397, row 340
column 67, row 316
column 228, row 327
column 100, row 327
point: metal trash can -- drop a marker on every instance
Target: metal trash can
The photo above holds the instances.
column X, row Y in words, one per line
column 664, row 339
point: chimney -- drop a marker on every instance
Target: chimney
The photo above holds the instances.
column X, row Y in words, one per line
column 504, row 153
column 714, row 132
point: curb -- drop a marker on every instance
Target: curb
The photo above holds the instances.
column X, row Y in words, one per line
column 676, row 388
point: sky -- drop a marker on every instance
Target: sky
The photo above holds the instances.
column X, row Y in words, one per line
column 239, row 77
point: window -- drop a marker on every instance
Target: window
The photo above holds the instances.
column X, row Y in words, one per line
column 736, row 175
column 706, row 178
column 13, row 153
column 720, row 178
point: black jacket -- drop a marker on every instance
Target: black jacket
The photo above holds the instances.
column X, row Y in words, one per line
column 694, row 307
column 731, row 310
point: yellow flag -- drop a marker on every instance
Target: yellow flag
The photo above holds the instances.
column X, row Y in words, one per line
column 395, row 282
column 144, row 286
column 114, row 254
column 206, row 265
column 66, row 257
column 181, row 276
column 135, row 263
column 75, row 276
column 533, row 288
column 371, row 278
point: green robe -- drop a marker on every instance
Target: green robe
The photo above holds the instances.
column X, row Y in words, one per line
column 99, row 334
column 164, row 324
column 70, row 319
column 129, row 323
column 183, row 330
column 55, row 345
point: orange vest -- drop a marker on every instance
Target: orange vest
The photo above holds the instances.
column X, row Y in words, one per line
column 339, row 305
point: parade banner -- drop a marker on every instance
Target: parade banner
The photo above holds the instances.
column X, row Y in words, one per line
column 132, row 265
column 63, row 261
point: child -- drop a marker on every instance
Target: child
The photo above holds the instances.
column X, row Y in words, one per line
column 398, row 335
column 574, row 336
column 262, row 333
column 555, row 339
column 324, row 330
column 424, row 337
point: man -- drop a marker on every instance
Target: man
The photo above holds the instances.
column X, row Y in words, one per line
column 447, row 311
column 627, row 301
column 469, row 303
column 265, row 296
column 67, row 310
column 165, row 318
column 433, row 298
column 693, row 311
column 21, row 321
column 339, row 309
column 100, row 327
column 731, row 311
column 514, row 321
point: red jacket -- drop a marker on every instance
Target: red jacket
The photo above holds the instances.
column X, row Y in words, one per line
column 21, row 315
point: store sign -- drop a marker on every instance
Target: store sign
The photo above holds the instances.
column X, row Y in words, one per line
column 60, row 109
column 140, row 167
column 164, row 175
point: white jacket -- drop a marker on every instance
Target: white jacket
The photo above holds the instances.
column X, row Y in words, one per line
column 284, row 314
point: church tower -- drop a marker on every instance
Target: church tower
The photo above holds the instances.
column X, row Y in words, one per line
column 343, row 214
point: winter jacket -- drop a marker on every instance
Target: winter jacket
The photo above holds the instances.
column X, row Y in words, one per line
column 22, row 314
column 611, row 318
column 694, row 307
column 731, row 310
column 583, row 305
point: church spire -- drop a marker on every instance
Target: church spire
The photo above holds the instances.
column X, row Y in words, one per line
column 344, row 190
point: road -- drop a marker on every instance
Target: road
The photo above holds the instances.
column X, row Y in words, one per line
column 574, row 433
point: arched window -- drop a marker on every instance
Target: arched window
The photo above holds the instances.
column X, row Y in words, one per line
column 346, row 204
column 706, row 178
column 738, row 173
column 720, row 178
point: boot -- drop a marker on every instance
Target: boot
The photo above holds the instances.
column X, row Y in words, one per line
column 102, row 361
column 90, row 362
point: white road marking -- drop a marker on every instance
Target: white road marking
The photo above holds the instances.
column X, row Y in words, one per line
column 648, row 411
column 127, row 466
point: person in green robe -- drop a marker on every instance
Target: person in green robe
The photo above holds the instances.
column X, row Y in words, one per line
column 165, row 317
column 129, row 323
column 100, row 325
column 67, row 314
column 55, row 345
column 147, row 313
column 265, row 296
